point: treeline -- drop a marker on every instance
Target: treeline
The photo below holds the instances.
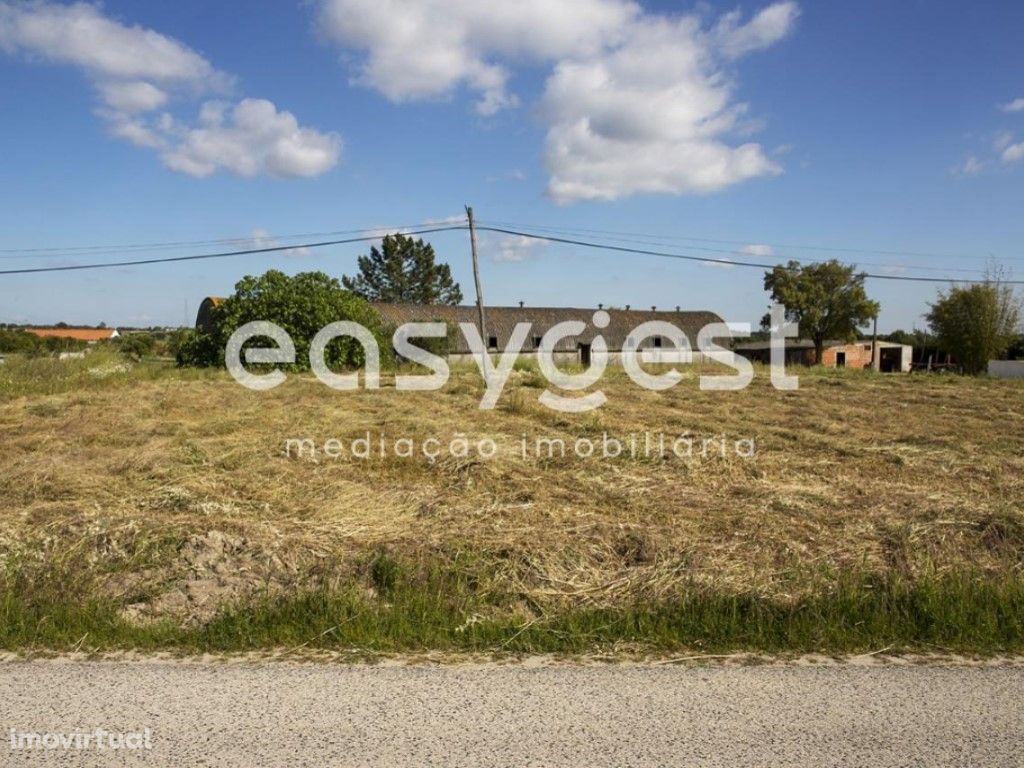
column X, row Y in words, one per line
column 20, row 341
column 132, row 345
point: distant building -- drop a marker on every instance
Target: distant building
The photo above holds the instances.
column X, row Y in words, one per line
column 1006, row 369
column 501, row 321
column 892, row 358
column 89, row 335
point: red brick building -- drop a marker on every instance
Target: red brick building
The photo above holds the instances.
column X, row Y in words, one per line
column 892, row 358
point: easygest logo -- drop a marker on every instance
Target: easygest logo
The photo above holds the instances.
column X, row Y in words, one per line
column 495, row 376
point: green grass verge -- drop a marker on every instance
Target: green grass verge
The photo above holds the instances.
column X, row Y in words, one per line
column 966, row 613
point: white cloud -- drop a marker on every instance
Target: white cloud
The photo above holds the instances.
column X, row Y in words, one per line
column 132, row 129
column 1017, row 105
column 515, row 248
column 757, row 249
column 80, row 34
column 424, row 49
column 1013, row 153
column 652, row 115
column 636, row 102
column 712, row 264
column 137, row 71
column 252, row 138
column 132, row 96
column 766, row 28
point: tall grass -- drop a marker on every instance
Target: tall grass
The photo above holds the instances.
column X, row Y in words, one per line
column 101, row 368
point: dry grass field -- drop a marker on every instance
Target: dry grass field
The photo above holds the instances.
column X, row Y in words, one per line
column 145, row 506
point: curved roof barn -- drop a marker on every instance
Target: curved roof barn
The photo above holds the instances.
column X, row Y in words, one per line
column 501, row 321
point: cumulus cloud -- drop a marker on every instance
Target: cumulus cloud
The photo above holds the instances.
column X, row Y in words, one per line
column 1017, row 105
column 635, row 102
column 80, row 34
column 418, row 49
column 137, row 71
column 250, row 139
column 653, row 115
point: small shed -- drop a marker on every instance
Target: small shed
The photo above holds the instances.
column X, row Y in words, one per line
column 892, row 358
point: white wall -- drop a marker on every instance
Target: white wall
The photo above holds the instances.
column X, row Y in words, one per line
column 1006, row 369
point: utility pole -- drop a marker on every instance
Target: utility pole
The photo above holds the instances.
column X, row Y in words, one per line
column 479, row 293
column 874, row 347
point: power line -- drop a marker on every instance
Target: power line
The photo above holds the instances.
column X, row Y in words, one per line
column 776, row 257
column 451, row 228
column 681, row 238
column 223, row 254
column 729, row 262
column 58, row 252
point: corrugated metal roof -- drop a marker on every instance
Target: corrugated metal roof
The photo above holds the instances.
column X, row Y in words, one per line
column 502, row 320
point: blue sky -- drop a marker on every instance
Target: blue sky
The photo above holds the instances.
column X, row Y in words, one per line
column 872, row 126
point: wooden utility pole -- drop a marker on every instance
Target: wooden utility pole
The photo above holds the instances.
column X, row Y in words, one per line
column 874, row 347
column 479, row 293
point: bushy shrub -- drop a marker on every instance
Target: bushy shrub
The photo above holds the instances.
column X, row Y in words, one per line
column 135, row 346
column 17, row 340
column 302, row 305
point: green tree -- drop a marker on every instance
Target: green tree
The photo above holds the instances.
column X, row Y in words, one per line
column 135, row 346
column 976, row 323
column 404, row 271
column 827, row 300
column 301, row 305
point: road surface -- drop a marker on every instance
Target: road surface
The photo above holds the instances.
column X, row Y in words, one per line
column 277, row 713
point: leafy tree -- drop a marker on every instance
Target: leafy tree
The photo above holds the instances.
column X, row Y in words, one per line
column 301, row 305
column 976, row 323
column 915, row 338
column 403, row 270
column 826, row 299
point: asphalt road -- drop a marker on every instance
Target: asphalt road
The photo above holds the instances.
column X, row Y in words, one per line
column 240, row 714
